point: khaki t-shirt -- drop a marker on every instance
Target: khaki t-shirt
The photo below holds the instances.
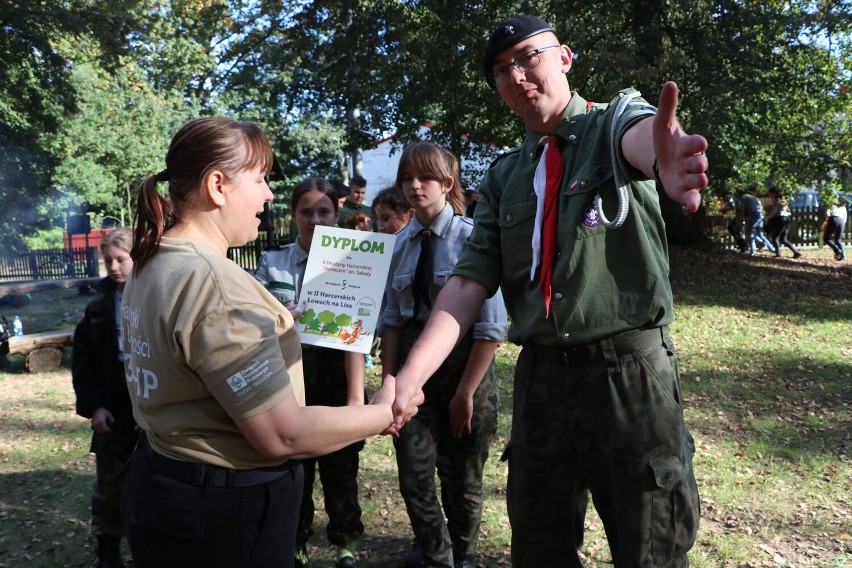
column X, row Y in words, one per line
column 206, row 345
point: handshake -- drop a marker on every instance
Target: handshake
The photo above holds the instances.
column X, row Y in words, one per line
column 403, row 397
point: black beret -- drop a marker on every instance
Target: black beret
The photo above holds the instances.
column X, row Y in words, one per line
column 510, row 32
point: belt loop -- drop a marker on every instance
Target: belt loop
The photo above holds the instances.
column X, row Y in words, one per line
column 230, row 477
column 610, row 356
column 200, row 477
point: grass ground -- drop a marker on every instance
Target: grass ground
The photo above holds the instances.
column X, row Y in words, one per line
column 766, row 360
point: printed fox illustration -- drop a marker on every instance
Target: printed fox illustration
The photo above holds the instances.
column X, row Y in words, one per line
column 351, row 337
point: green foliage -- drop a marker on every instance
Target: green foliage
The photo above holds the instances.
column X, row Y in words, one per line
column 91, row 91
column 36, row 95
column 118, row 136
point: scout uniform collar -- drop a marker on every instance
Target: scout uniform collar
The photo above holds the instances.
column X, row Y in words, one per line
column 440, row 226
column 576, row 106
column 300, row 255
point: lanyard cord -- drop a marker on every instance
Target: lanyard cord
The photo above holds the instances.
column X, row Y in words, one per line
column 620, row 185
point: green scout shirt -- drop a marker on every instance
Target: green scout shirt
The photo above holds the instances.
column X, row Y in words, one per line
column 604, row 281
column 348, row 208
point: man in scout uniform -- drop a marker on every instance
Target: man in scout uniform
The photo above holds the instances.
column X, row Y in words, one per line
column 597, row 400
column 355, row 202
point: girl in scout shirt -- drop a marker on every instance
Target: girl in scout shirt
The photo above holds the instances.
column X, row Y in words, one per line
column 459, row 415
column 332, row 377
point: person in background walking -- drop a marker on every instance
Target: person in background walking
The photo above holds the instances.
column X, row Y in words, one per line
column 833, row 235
column 97, row 372
column 753, row 210
column 778, row 225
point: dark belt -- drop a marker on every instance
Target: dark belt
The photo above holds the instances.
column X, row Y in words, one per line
column 205, row 475
column 576, row 355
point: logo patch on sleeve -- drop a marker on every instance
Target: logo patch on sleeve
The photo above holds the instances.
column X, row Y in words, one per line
column 243, row 382
column 237, row 382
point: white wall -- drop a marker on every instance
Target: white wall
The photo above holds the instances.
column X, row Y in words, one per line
column 381, row 163
column 380, row 167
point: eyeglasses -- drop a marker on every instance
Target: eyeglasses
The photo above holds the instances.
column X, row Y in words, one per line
column 528, row 61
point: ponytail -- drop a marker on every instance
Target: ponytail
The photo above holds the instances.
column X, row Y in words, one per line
column 153, row 212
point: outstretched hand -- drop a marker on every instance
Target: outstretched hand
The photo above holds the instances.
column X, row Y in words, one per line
column 403, row 408
column 408, row 396
column 681, row 160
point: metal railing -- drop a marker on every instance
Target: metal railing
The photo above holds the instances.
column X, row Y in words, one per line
column 50, row 264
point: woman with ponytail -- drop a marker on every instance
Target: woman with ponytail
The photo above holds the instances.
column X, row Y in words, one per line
column 215, row 368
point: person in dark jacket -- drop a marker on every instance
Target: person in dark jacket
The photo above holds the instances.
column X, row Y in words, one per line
column 97, row 371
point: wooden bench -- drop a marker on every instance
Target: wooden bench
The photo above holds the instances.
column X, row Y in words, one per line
column 24, row 288
column 43, row 350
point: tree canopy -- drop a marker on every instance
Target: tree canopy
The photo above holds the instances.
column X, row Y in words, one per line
column 92, row 90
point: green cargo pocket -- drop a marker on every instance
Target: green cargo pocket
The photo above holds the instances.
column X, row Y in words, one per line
column 675, row 511
column 667, row 470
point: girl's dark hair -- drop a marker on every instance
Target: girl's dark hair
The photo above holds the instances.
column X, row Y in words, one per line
column 313, row 184
column 200, row 147
column 392, row 198
column 435, row 163
column 356, row 219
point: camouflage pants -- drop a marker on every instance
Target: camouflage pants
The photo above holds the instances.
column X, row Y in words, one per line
column 112, row 454
column 427, row 437
column 614, row 427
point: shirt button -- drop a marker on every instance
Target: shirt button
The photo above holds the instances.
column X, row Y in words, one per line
column 508, row 217
column 557, row 296
column 572, row 138
column 566, row 336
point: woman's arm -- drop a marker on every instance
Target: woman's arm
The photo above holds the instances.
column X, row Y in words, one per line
column 289, row 431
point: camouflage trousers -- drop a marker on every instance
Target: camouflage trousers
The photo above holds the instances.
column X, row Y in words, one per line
column 112, row 454
column 616, row 427
column 425, row 439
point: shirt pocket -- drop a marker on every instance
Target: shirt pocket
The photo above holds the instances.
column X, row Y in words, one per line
column 590, row 180
column 284, row 292
column 517, row 219
column 401, row 286
column 440, row 277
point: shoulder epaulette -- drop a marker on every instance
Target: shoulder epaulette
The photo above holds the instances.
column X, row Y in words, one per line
column 503, row 155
